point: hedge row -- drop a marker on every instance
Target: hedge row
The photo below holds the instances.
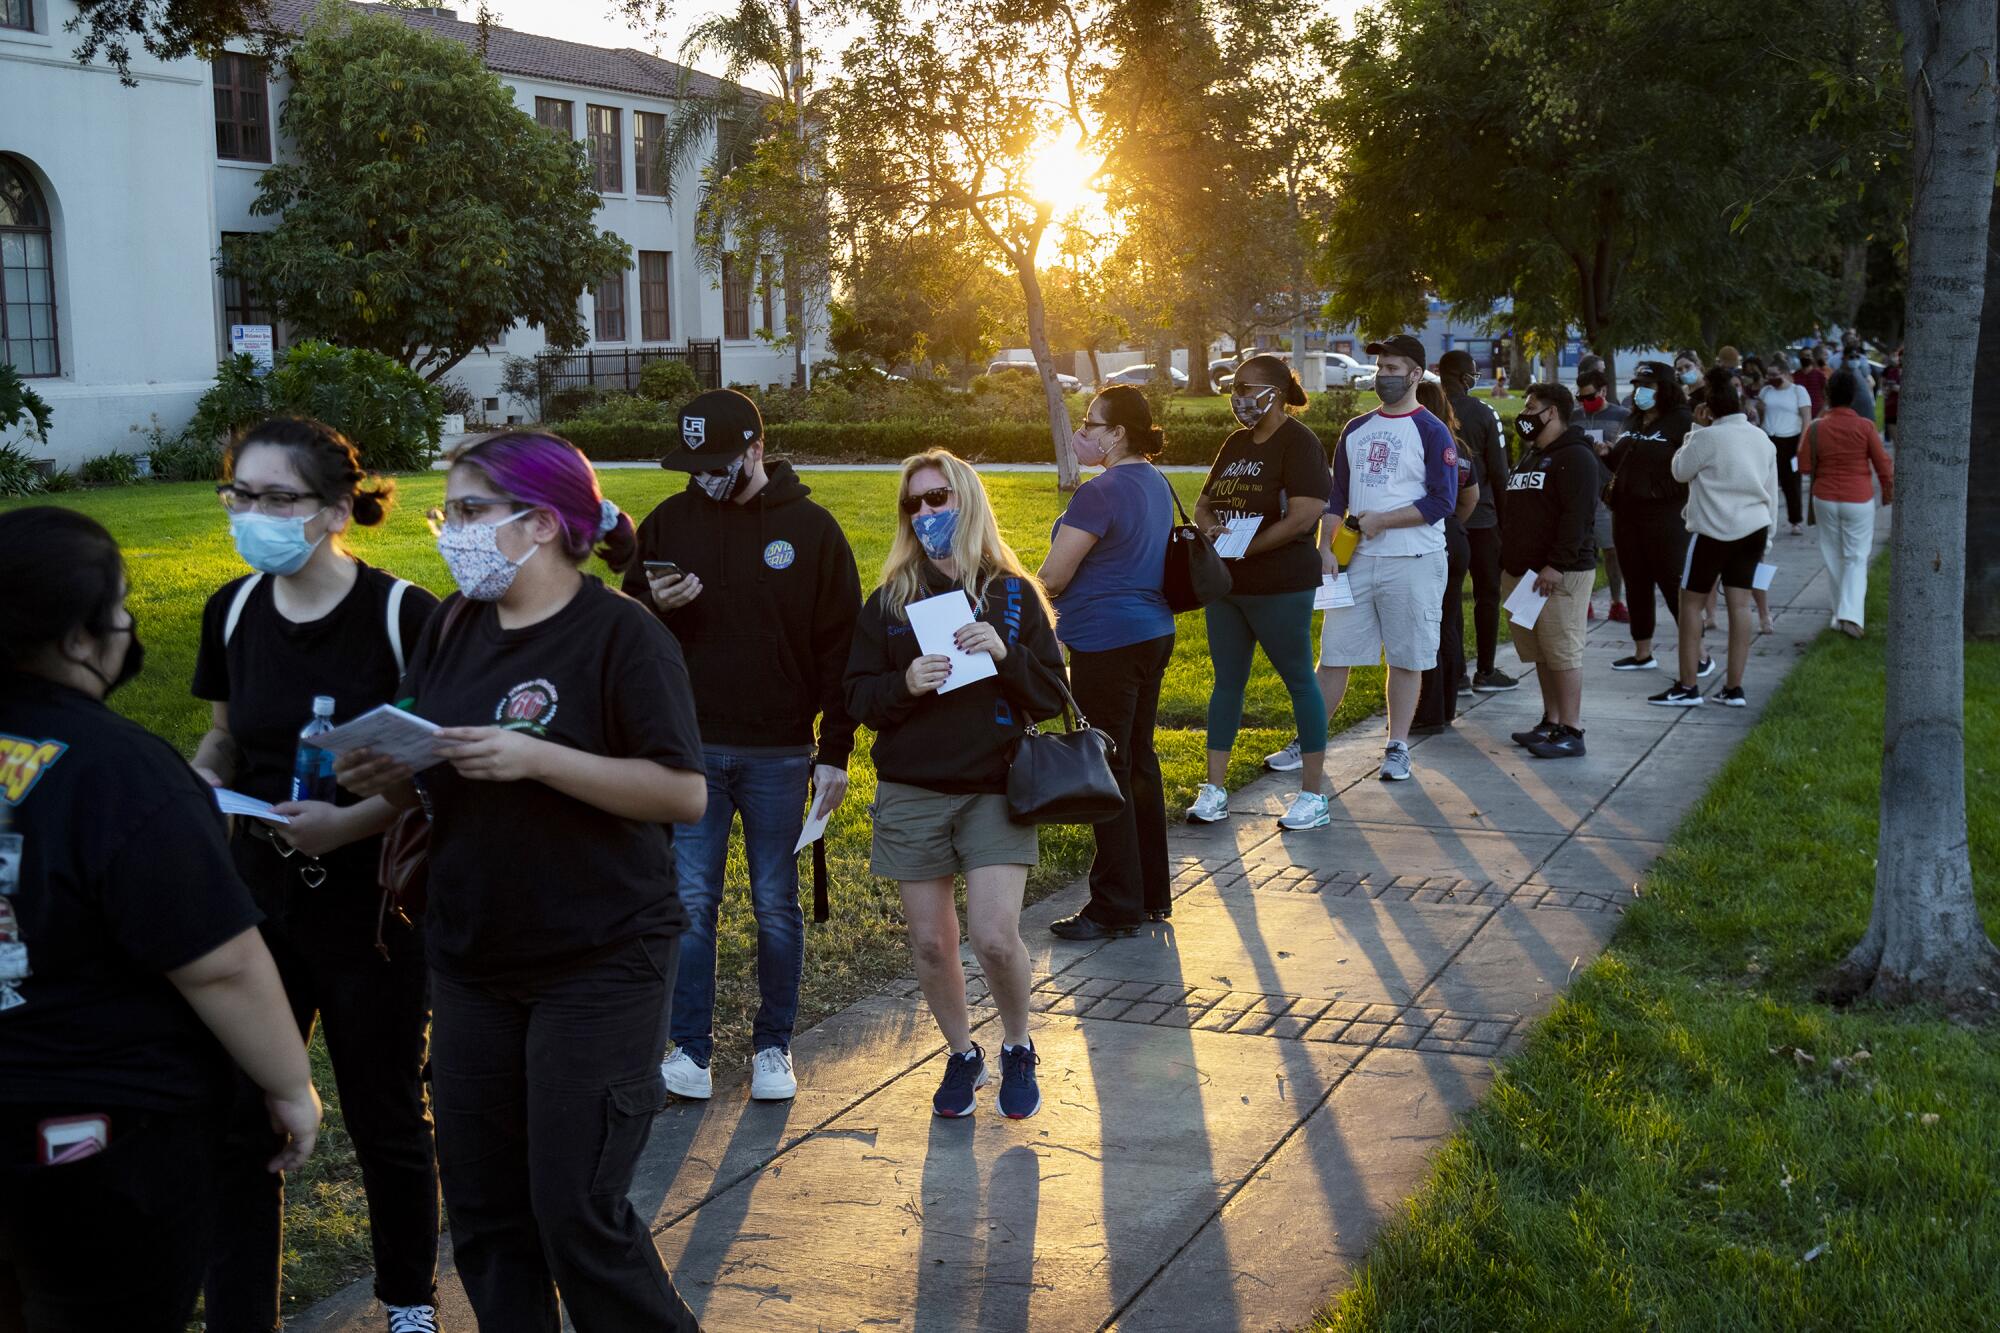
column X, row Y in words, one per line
column 867, row 441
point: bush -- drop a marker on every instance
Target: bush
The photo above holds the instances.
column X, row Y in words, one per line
column 387, row 410
column 453, row 396
column 670, row 382
column 18, row 473
column 22, row 406
column 188, row 456
column 521, row 382
column 109, row 470
column 573, row 401
column 238, row 400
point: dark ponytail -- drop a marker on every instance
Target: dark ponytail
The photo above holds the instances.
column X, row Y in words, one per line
column 1275, row 367
column 325, row 459
column 1125, row 405
column 62, row 571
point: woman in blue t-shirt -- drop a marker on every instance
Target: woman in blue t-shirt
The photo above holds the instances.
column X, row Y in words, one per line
column 1107, row 557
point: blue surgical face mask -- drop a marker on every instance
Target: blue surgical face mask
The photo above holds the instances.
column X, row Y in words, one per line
column 273, row 545
column 935, row 531
column 1644, row 397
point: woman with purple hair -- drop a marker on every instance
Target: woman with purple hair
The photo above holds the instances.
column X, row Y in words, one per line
column 569, row 749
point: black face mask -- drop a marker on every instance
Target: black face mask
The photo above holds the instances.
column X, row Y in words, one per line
column 128, row 670
column 1529, row 427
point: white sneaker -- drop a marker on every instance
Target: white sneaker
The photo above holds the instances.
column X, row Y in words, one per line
column 771, row 1077
column 1286, row 760
column 1211, row 805
column 1307, row 810
column 686, row 1079
column 412, row 1318
column 1395, row 763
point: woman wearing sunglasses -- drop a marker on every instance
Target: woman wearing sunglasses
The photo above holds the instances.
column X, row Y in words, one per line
column 313, row 620
column 569, row 749
column 941, row 755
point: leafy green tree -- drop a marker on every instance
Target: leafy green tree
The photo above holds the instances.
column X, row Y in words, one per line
column 167, row 29
column 926, row 299
column 421, row 213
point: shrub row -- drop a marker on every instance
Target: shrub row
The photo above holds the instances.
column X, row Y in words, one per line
column 863, row 441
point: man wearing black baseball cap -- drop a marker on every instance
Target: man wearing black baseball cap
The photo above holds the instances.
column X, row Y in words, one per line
column 758, row 583
column 1481, row 430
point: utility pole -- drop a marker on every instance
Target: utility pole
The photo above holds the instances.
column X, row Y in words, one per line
column 794, row 297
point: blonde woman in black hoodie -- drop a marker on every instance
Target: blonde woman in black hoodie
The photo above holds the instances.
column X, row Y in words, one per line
column 941, row 757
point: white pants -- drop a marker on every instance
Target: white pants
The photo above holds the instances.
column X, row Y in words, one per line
column 1846, row 532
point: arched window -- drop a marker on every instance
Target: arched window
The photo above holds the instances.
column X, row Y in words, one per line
column 27, row 275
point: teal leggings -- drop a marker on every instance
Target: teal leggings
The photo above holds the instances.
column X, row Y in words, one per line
column 1281, row 623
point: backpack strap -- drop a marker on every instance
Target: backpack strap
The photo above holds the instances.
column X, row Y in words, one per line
column 396, row 592
column 238, row 602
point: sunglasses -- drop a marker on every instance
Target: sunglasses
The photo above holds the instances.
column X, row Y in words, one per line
column 935, row 499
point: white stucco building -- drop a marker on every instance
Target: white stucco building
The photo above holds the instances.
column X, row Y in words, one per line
column 114, row 201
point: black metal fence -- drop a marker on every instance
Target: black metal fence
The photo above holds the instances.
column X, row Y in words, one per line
column 556, row 371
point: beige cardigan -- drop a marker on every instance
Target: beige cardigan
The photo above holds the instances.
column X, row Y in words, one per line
column 1731, row 472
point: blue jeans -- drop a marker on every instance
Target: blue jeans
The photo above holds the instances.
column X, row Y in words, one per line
column 770, row 794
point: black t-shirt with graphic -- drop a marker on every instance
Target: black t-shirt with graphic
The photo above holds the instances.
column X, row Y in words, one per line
column 525, row 882
column 268, row 674
column 1252, row 478
column 120, row 876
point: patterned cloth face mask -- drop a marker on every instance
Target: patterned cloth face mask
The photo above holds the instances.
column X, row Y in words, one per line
column 471, row 552
column 1250, row 406
column 722, row 486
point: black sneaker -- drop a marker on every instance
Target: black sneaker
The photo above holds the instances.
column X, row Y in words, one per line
column 1081, row 927
column 1677, row 695
column 1020, row 1095
column 964, row 1075
column 1565, row 743
column 1541, row 731
column 1465, row 684
column 1494, row 682
column 1647, row 663
column 1707, row 669
column 1731, row 695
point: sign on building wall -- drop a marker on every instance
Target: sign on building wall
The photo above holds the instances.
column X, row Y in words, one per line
column 252, row 340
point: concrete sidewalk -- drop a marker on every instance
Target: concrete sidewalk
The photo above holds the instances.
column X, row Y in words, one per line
column 1233, row 1105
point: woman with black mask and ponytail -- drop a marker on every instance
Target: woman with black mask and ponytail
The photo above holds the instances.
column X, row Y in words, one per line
column 1646, row 502
column 313, row 626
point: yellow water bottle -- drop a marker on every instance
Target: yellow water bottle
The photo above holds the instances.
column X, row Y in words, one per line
column 1345, row 538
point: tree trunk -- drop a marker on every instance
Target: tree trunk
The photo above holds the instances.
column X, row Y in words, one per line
column 795, row 315
column 1197, row 350
column 1853, row 281
column 1096, row 371
column 1925, row 941
column 1982, row 518
column 1038, row 342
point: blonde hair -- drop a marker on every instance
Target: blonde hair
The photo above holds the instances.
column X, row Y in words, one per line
column 977, row 547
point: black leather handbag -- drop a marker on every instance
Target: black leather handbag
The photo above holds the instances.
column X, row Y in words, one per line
column 1063, row 777
column 1195, row 575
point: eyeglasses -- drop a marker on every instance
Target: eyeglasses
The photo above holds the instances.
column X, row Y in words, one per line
column 271, row 504
column 458, row 513
column 935, row 499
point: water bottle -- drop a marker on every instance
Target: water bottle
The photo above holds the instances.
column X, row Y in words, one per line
column 312, row 767
column 1345, row 538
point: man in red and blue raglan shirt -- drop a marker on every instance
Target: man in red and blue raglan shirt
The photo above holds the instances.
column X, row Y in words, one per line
column 1396, row 472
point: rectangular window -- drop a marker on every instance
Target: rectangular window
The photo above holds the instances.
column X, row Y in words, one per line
column 27, row 303
column 17, row 14
column 552, row 113
column 607, row 149
column 609, row 297
column 242, row 303
column 242, row 109
column 770, row 267
column 649, row 145
column 735, row 299
column 654, row 266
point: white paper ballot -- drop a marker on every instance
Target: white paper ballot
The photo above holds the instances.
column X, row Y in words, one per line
column 1761, row 580
column 236, row 803
column 815, row 825
column 1333, row 592
column 935, row 620
column 389, row 732
column 1524, row 605
column 1236, row 539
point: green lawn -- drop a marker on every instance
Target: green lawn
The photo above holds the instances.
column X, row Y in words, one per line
column 177, row 547
column 1658, row 1156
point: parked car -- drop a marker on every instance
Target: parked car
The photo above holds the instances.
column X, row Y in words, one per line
column 1344, row 372
column 1222, row 372
column 1068, row 383
column 1141, row 376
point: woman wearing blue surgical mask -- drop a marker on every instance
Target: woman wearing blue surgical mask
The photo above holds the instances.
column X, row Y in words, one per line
column 312, row 620
column 1646, row 502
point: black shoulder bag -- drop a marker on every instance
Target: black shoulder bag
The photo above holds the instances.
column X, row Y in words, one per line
column 1063, row 777
column 1195, row 575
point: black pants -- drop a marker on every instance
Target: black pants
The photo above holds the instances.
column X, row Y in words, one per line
column 545, row 1094
column 1652, row 545
column 1119, row 691
column 1483, row 560
column 1788, row 475
column 115, row 1241
column 374, row 1016
column 1437, row 696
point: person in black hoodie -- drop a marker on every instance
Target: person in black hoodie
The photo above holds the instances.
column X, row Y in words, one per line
column 1646, row 502
column 758, row 583
column 941, row 755
column 1549, row 536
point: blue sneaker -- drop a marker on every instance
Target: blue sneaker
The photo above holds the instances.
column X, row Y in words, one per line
column 963, row 1076
column 1020, row 1095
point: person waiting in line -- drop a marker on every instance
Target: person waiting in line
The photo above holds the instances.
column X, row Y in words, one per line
column 1892, row 395
column 1787, row 409
column 1437, row 697
column 1480, row 430
column 314, row 620
column 941, row 761
column 1551, row 539
column 1395, row 473
column 1646, row 503
column 1731, row 471
column 1854, row 358
column 1602, row 420
column 1272, row 469
column 1107, row 557
column 553, row 919
column 1812, row 377
column 131, row 969
column 758, row 584
column 1749, row 382
column 1841, row 452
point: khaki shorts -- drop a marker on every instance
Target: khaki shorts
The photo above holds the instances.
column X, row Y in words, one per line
column 923, row 834
column 1398, row 612
column 1556, row 641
